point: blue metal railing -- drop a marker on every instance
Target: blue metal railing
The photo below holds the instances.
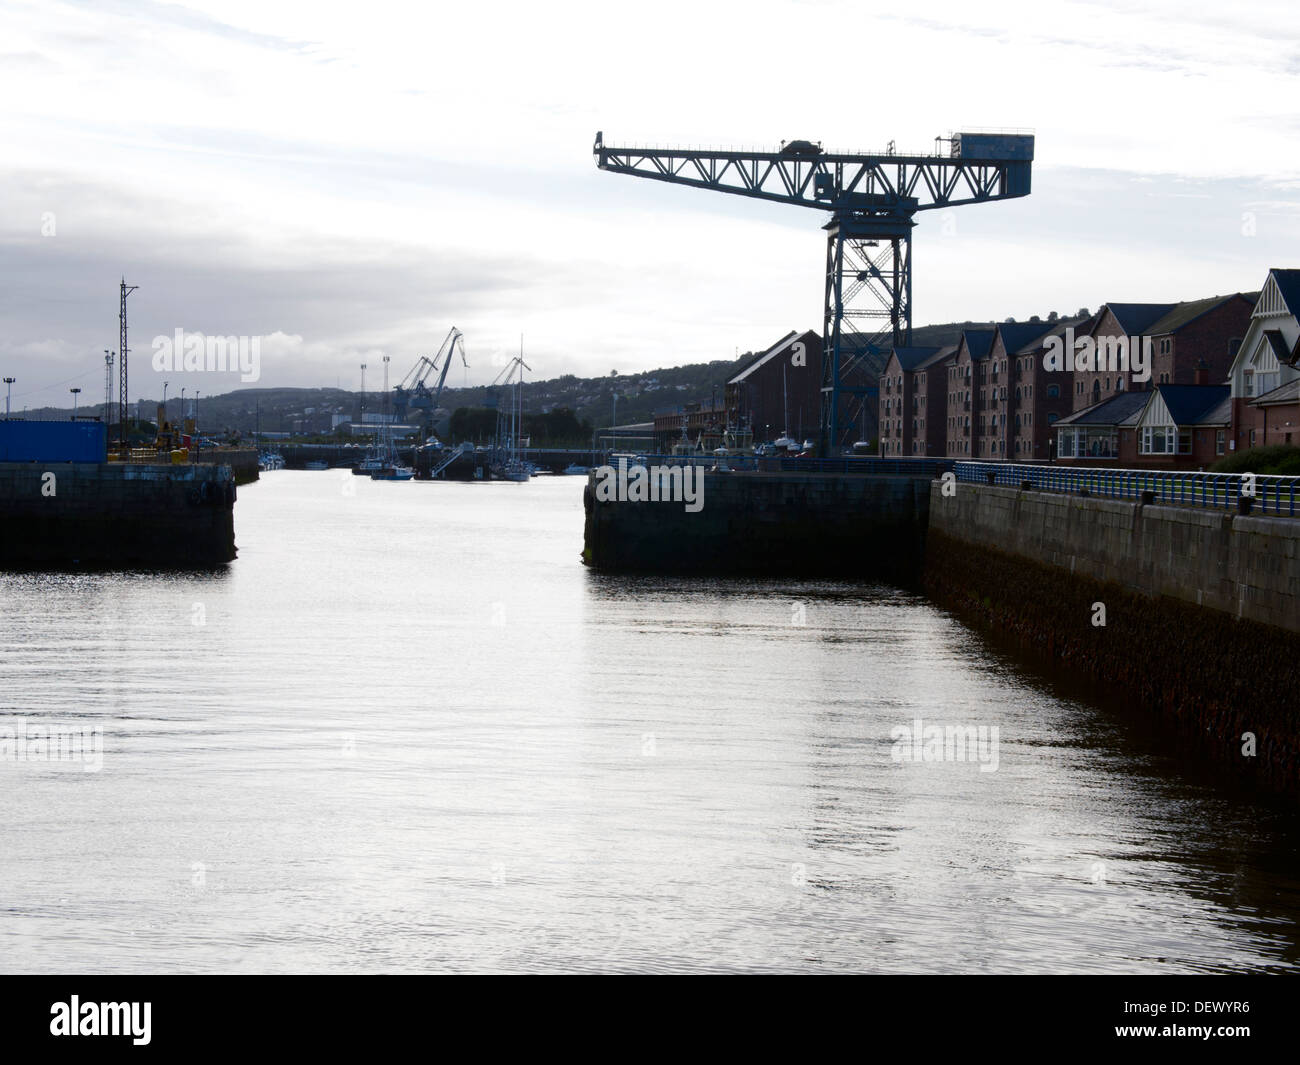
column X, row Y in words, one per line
column 1272, row 494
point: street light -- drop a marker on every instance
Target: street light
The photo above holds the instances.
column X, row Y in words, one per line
column 165, row 405
column 9, row 388
column 108, row 389
column 75, row 392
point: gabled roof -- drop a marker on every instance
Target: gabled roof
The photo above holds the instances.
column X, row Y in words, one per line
column 1113, row 411
column 1189, row 404
column 776, row 349
column 910, row 358
column 1287, row 393
column 938, row 357
column 1221, row 414
column 1058, row 328
column 1275, row 341
column 1288, row 284
column 978, row 342
column 1015, row 335
column 1135, row 318
column 1183, row 314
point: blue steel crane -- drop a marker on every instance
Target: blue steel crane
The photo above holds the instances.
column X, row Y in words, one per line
column 871, row 199
column 414, row 394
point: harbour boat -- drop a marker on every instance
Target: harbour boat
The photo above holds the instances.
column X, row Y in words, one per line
column 574, row 469
column 512, row 471
column 381, row 463
column 509, row 464
column 392, row 473
column 270, row 460
column 373, row 461
column 316, row 464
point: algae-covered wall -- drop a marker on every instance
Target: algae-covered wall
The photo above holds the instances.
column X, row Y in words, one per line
column 1188, row 613
column 95, row 515
column 769, row 524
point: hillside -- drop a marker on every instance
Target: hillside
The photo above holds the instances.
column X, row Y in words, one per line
column 640, row 395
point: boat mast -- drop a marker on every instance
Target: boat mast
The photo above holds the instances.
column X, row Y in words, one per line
column 785, row 405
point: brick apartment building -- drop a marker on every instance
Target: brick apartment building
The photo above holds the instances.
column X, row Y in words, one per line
column 1040, row 397
column 903, row 400
column 1183, row 336
column 1264, row 377
column 967, row 377
column 1023, row 398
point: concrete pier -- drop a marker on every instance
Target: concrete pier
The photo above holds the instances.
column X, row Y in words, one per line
column 115, row 516
column 797, row 524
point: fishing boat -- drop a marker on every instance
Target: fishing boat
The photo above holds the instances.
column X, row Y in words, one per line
column 374, row 460
column 386, row 468
column 392, row 473
column 509, row 464
column 512, row 471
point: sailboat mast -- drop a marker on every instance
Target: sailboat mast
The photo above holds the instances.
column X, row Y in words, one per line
column 785, row 404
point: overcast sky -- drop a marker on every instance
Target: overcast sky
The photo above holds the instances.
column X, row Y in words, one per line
column 350, row 180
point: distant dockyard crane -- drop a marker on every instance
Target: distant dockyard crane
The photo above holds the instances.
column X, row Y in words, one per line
column 413, row 393
column 872, row 198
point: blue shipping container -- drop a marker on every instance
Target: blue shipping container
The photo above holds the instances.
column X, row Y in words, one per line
column 52, row 441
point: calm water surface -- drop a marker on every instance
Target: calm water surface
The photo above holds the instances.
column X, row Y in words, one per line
column 407, row 730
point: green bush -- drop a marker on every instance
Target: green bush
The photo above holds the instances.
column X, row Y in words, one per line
column 1274, row 459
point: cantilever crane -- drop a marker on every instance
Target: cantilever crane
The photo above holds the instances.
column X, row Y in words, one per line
column 414, row 393
column 871, row 198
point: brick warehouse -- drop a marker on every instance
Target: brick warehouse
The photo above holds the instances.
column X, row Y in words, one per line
column 778, row 391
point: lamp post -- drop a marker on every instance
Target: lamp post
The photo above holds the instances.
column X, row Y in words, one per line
column 182, row 405
column 9, row 388
column 363, row 396
column 75, row 392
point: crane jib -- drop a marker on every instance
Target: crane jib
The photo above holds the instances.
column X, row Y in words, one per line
column 872, row 198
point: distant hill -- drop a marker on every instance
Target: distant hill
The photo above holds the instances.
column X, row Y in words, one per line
column 591, row 399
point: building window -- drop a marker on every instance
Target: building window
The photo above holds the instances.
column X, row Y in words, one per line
column 1160, row 440
column 1218, row 441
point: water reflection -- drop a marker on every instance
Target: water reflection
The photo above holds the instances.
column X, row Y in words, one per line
column 411, row 732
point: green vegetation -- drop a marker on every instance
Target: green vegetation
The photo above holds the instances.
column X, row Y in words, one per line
column 1279, row 459
column 556, row 428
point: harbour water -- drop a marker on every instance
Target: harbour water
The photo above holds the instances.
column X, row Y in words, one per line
column 408, row 731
